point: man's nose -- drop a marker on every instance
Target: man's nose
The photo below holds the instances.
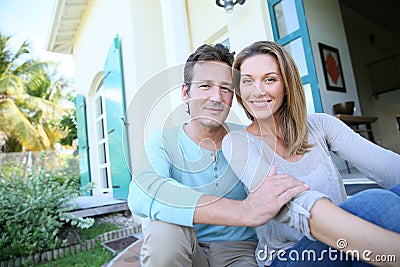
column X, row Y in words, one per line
column 216, row 93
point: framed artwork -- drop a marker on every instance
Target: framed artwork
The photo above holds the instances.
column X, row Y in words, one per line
column 332, row 67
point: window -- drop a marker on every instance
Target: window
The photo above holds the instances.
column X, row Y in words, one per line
column 102, row 142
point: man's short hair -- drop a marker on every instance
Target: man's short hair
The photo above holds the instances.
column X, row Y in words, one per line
column 206, row 52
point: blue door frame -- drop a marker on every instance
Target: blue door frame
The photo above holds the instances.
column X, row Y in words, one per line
column 301, row 33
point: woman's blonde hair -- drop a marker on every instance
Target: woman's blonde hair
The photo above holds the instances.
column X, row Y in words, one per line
column 293, row 112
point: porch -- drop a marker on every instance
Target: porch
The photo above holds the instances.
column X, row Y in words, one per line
column 354, row 181
column 88, row 206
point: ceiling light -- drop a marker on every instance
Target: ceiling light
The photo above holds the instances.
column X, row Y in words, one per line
column 229, row 4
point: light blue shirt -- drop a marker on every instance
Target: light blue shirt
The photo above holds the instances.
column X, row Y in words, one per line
column 174, row 174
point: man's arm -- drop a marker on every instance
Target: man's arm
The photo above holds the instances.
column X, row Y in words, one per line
column 163, row 199
column 152, row 194
column 261, row 205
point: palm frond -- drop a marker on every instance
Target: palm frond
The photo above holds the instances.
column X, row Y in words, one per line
column 48, row 109
column 30, row 97
column 22, row 50
column 54, row 133
column 15, row 124
column 44, row 139
column 5, row 83
column 31, row 67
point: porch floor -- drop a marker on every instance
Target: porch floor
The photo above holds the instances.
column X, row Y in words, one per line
column 88, row 206
column 355, row 181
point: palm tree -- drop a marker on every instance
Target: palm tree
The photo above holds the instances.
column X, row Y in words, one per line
column 29, row 101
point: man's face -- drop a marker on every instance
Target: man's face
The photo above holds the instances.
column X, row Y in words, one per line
column 210, row 94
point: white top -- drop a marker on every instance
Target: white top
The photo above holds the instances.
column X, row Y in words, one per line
column 251, row 160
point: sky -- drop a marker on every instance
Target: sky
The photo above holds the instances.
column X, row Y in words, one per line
column 29, row 20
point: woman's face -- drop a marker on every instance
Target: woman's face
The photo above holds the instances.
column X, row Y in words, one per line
column 261, row 86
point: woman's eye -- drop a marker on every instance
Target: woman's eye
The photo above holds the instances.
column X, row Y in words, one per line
column 226, row 89
column 247, row 81
column 270, row 80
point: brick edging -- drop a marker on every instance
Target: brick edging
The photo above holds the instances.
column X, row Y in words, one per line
column 58, row 253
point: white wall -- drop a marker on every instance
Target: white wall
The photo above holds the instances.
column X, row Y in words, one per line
column 204, row 20
column 249, row 23
column 94, row 39
column 364, row 51
column 246, row 24
column 325, row 26
column 141, row 35
column 139, row 26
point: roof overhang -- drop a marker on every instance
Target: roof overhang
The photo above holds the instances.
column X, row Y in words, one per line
column 67, row 15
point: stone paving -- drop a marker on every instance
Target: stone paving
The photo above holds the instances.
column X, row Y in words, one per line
column 121, row 219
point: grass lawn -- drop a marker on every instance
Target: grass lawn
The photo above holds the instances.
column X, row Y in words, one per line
column 95, row 257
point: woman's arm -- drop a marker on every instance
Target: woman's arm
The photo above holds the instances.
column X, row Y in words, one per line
column 377, row 163
column 311, row 212
column 334, row 226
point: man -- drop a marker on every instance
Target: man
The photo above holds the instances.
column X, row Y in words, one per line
column 200, row 213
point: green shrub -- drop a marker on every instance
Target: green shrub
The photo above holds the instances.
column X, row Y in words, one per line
column 33, row 210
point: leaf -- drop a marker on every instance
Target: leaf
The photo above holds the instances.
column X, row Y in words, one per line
column 14, row 123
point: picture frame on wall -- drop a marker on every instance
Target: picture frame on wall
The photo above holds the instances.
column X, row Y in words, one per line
column 332, row 68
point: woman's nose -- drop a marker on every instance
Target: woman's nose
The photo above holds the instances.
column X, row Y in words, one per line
column 260, row 88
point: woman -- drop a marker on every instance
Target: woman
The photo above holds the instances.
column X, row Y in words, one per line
column 268, row 86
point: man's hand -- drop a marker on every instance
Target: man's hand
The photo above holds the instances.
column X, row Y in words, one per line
column 260, row 206
column 266, row 200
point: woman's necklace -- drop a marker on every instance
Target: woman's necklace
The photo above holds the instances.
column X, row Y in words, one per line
column 270, row 136
column 273, row 141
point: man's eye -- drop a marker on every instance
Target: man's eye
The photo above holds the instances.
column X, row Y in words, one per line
column 204, row 86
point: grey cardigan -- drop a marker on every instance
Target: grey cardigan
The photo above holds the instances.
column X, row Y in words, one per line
column 251, row 159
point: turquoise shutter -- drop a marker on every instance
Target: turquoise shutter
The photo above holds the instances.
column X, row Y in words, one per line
column 83, row 148
column 115, row 114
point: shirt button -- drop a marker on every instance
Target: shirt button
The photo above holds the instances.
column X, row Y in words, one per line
column 216, row 176
column 215, row 168
column 216, row 184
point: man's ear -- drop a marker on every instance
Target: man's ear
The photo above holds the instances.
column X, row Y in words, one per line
column 185, row 93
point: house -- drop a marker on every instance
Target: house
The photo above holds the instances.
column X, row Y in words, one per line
column 128, row 58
